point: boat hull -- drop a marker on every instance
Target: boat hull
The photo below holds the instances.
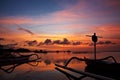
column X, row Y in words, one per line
column 103, row 68
column 15, row 60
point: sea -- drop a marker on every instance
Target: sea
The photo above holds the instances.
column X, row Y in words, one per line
column 46, row 69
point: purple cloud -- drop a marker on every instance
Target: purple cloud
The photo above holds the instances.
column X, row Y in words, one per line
column 31, row 43
column 102, row 43
column 25, row 30
column 47, row 41
column 65, row 41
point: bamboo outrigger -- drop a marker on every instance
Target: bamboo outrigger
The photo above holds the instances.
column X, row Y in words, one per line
column 83, row 74
column 98, row 69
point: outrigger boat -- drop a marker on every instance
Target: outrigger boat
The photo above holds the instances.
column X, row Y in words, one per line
column 103, row 67
column 13, row 61
column 96, row 68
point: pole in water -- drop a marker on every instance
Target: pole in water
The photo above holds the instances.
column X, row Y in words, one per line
column 94, row 39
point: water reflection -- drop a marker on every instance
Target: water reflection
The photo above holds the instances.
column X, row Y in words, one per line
column 46, row 68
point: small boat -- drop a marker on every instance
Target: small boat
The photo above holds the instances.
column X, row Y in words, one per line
column 8, row 64
column 100, row 69
column 14, row 60
column 104, row 68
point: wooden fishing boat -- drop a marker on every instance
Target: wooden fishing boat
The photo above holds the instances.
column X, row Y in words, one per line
column 96, row 67
column 4, row 61
column 104, row 68
column 9, row 60
column 99, row 69
column 8, row 64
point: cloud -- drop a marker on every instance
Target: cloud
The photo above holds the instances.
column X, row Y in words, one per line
column 40, row 43
column 65, row 41
column 47, row 41
column 25, row 30
column 17, row 20
column 56, row 41
column 81, row 10
column 31, row 43
column 4, row 29
column 2, row 39
column 107, row 42
column 108, row 30
column 56, row 17
column 73, row 16
column 10, row 45
column 50, row 42
column 77, row 43
column 69, row 19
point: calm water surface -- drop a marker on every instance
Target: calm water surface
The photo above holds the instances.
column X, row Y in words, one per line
column 46, row 68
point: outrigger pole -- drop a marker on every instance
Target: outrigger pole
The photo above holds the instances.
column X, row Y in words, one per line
column 94, row 39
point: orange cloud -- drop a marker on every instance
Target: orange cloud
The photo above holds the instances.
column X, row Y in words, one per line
column 109, row 30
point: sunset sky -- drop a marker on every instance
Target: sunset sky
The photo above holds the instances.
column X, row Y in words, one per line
column 60, row 24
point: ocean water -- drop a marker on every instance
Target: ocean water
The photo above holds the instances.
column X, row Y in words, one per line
column 45, row 70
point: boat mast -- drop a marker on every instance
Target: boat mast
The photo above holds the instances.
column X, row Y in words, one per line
column 94, row 39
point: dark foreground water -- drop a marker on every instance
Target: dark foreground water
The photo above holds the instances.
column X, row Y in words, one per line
column 46, row 68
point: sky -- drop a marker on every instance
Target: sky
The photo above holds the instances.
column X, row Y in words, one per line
column 58, row 24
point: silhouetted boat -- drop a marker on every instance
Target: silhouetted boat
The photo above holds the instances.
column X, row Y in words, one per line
column 101, row 66
column 13, row 60
column 4, row 61
column 100, row 69
column 104, row 68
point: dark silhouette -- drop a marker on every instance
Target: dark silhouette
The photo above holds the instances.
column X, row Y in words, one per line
column 96, row 68
column 40, row 51
column 22, row 50
column 15, row 50
column 47, row 62
column 7, row 58
column 94, row 39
